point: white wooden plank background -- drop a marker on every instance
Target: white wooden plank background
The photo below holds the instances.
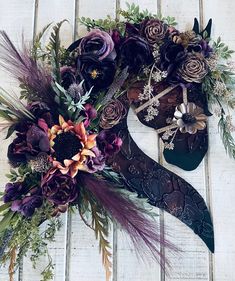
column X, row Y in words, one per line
column 75, row 251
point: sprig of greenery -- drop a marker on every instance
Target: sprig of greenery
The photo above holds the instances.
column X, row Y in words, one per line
column 67, row 105
column 26, row 235
column 37, row 50
column 221, row 49
column 226, row 136
column 56, row 50
column 106, row 24
column 99, row 223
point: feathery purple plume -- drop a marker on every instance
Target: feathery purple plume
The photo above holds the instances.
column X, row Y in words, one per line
column 144, row 232
column 23, row 67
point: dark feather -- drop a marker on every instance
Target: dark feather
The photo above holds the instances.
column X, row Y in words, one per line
column 144, row 232
column 19, row 63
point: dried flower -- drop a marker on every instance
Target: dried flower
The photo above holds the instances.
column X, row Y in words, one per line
column 193, row 69
column 147, row 93
column 220, row 89
column 153, row 30
column 40, row 163
column 112, row 113
column 190, row 118
column 169, row 145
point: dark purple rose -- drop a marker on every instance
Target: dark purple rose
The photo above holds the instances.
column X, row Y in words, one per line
column 68, row 76
column 99, row 43
column 13, row 191
column 59, row 189
column 90, row 114
column 135, row 52
column 96, row 163
column 29, row 143
column 171, row 56
column 37, row 139
column 109, row 143
column 28, row 205
column 96, row 73
column 43, row 111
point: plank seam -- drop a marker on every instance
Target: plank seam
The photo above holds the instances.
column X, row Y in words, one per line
column 34, row 32
column 68, row 234
column 207, row 162
column 76, row 16
column 35, row 18
column 68, row 226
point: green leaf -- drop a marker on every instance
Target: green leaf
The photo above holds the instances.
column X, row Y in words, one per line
column 6, row 220
column 10, row 131
column 5, row 206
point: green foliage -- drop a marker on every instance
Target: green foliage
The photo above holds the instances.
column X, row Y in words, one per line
column 67, row 106
column 20, row 174
column 103, row 24
column 132, row 14
column 222, row 50
column 27, row 235
column 37, row 51
column 56, row 51
column 226, row 136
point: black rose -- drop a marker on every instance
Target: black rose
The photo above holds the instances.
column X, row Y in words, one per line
column 135, row 53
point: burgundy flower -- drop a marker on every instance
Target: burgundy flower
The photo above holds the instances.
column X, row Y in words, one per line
column 135, row 53
column 96, row 163
column 13, row 191
column 99, row 43
column 90, row 114
column 109, row 143
column 30, row 141
column 59, row 189
column 116, row 36
column 28, row 205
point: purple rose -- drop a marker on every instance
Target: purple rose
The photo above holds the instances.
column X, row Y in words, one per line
column 96, row 163
column 99, row 43
column 13, row 191
column 109, row 143
column 59, row 189
column 28, row 205
column 135, row 53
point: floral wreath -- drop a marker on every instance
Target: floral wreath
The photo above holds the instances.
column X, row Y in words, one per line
column 71, row 147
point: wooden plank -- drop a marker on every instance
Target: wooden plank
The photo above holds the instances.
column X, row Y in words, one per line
column 16, row 17
column 193, row 263
column 85, row 259
column 46, row 12
column 221, row 167
column 129, row 266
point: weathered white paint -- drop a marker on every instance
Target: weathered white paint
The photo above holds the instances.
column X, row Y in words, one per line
column 75, row 250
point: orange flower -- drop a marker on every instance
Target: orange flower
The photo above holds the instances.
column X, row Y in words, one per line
column 71, row 145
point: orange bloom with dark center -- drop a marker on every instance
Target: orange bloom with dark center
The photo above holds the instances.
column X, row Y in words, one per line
column 71, row 145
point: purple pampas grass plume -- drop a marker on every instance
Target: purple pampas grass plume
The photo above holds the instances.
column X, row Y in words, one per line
column 21, row 65
column 143, row 231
